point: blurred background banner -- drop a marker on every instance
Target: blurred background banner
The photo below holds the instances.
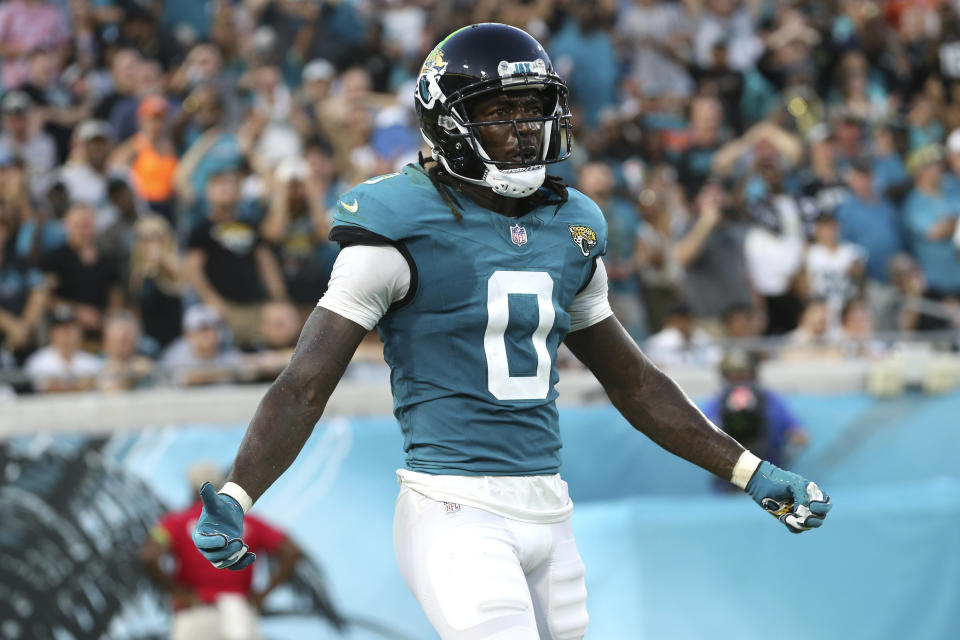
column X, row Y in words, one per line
column 667, row 555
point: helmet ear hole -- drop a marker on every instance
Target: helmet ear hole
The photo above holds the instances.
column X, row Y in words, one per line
column 447, row 123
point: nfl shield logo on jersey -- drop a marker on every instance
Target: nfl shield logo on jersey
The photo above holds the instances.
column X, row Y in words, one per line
column 518, row 235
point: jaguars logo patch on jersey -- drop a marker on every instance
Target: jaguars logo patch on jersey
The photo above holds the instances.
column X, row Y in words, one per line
column 584, row 238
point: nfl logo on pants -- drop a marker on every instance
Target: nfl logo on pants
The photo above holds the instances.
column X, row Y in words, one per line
column 518, row 235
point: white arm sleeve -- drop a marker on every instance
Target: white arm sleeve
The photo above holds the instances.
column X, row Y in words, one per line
column 590, row 306
column 365, row 281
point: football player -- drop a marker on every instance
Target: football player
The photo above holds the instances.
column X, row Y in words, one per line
column 474, row 266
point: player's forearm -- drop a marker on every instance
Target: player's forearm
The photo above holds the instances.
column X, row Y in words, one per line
column 295, row 401
column 660, row 409
column 650, row 400
column 280, row 427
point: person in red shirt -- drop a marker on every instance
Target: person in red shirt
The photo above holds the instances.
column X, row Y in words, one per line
column 209, row 603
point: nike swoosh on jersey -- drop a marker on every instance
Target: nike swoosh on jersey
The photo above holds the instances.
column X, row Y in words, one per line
column 352, row 208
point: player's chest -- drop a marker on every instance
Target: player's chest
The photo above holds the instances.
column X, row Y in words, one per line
column 467, row 263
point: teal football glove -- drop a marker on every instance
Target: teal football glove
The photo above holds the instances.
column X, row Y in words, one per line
column 795, row 501
column 219, row 530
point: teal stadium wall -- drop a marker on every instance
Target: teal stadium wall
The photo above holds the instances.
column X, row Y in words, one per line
column 666, row 558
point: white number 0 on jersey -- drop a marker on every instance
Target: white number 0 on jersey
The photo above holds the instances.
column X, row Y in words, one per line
column 500, row 383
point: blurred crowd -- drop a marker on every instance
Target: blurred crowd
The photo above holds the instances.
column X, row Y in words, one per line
column 167, row 171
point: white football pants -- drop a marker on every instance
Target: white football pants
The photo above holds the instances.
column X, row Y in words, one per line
column 480, row 576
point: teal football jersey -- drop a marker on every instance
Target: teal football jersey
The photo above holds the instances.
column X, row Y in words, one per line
column 472, row 348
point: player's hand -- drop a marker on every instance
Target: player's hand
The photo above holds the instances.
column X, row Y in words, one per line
column 795, row 501
column 219, row 530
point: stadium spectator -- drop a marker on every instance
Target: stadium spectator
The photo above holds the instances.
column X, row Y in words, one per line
column 847, row 138
column 833, row 269
column 693, row 166
column 208, row 603
column 857, row 93
column 118, row 237
column 766, row 139
column 296, row 226
column 930, row 217
column 22, row 137
column 774, row 245
column 720, row 81
column 754, row 414
column 332, row 31
column 228, row 264
column 120, row 100
column 856, row 330
column 40, row 229
column 81, row 275
column 585, row 55
column 15, row 206
column 324, row 182
column 55, row 107
column 908, row 309
column 87, row 22
column 712, row 252
column 25, row 26
column 741, row 322
column 272, row 136
column 812, row 338
column 923, row 126
column 730, row 22
column 660, row 204
column 87, row 171
column 346, row 119
column 821, row 180
column 123, row 366
column 23, row 296
column 150, row 156
column 151, row 81
column 203, row 355
column 680, row 342
column 657, row 34
column 869, row 220
column 63, row 365
column 890, row 177
column 155, row 287
column 279, row 329
column 316, row 82
column 207, row 145
column 201, row 68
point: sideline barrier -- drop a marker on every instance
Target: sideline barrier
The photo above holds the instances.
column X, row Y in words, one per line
column 369, row 395
column 665, row 557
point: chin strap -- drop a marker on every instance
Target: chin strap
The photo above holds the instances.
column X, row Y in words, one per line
column 515, row 183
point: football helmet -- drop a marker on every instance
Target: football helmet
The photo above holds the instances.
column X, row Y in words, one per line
column 474, row 62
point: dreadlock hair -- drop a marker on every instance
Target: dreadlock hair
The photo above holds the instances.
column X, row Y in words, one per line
column 555, row 191
column 441, row 180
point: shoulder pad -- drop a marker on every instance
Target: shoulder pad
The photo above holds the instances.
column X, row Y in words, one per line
column 382, row 205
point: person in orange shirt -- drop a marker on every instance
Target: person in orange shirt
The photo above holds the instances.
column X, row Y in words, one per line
column 150, row 156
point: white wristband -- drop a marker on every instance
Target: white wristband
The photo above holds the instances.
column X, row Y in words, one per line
column 743, row 470
column 236, row 492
